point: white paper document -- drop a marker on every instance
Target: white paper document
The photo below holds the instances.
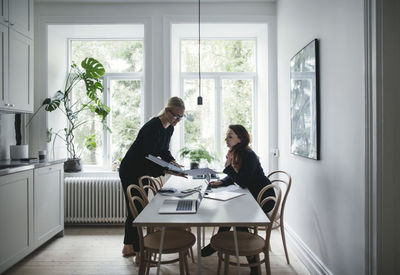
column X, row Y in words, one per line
column 223, row 195
column 171, row 167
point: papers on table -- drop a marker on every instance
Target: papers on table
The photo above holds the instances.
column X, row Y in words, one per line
column 171, row 167
column 223, row 195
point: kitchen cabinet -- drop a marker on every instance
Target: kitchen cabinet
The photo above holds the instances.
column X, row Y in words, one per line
column 16, row 216
column 3, row 67
column 31, row 210
column 48, row 200
column 16, row 31
column 18, row 15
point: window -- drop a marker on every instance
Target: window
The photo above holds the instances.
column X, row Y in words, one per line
column 230, row 70
column 123, row 85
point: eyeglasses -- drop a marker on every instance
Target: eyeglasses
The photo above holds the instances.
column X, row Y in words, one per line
column 176, row 116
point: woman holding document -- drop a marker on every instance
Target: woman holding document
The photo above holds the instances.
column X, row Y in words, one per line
column 153, row 138
column 242, row 167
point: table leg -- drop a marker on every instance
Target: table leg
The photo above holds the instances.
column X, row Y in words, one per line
column 236, row 248
column 204, row 236
column 198, row 250
column 161, row 247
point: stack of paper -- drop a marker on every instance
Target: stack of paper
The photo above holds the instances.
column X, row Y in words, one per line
column 223, row 195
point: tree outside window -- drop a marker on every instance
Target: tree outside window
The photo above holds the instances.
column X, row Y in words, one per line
column 123, row 62
column 228, row 70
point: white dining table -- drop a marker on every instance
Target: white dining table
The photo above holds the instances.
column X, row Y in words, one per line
column 242, row 211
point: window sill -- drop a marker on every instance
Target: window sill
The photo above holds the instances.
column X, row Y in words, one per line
column 93, row 173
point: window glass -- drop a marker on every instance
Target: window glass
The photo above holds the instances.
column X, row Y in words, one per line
column 117, row 56
column 237, row 103
column 125, row 115
column 123, row 62
column 90, row 127
column 199, row 124
column 219, row 55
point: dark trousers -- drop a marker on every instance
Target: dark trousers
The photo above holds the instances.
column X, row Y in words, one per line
column 131, row 232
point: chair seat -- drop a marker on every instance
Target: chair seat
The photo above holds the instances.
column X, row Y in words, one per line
column 174, row 241
column 250, row 244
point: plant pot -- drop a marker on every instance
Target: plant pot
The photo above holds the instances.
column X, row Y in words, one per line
column 194, row 165
column 72, row 165
column 18, row 152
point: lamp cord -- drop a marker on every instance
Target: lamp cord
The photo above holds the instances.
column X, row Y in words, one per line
column 199, row 55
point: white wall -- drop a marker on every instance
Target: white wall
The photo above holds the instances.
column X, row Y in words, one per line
column 155, row 17
column 7, row 134
column 326, row 205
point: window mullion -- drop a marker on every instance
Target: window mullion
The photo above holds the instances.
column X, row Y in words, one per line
column 106, row 134
column 218, row 112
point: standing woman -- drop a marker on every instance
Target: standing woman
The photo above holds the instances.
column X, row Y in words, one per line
column 153, row 138
column 242, row 167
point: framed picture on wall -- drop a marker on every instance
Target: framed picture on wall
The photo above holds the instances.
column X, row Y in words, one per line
column 304, row 102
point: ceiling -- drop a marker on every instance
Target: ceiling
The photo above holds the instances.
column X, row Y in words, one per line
column 152, row 1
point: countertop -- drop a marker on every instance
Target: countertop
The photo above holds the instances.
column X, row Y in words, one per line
column 8, row 166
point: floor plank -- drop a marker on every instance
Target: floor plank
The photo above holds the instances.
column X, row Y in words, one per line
column 97, row 250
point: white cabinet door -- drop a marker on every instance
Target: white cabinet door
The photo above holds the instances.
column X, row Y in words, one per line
column 4, row 12
column 20, row 16
column 48, row 202
column 16, row 216
column 20, row 85
column 3, row 68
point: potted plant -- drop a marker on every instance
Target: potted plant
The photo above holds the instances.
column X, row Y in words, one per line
column 18, row 151
column 195, row 154
column 89, row 74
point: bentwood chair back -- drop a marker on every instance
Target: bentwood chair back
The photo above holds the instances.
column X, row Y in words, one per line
column 175, row 241
column 284, row 180
column 250, row 244
column 155, row 184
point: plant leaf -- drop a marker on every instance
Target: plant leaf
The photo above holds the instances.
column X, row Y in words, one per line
column 102, row 110
column 93, row 68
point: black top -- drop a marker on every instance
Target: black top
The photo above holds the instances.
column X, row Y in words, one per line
column 250, row 175
column 152, row 139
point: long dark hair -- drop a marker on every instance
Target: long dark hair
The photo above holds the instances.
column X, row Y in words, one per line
column 239, row 148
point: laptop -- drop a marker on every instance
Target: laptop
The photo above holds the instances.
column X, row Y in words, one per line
column 185, row 205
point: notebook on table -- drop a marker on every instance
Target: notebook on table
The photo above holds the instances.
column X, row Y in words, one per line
column 186, row 205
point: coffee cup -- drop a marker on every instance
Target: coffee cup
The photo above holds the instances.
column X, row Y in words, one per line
column 42, row 155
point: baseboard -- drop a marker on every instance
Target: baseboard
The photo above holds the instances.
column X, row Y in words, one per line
column 304, row 253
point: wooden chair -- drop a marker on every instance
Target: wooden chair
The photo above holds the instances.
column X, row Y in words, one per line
column 155, row 184
column 284, row 180
column 250, row 244
column 175, row 241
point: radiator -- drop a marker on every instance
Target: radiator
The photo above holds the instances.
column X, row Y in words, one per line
column 94, row 200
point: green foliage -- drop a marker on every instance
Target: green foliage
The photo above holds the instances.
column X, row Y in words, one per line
column 196, row 154
column 71, row 107
column 91, row 142
column 117, row 56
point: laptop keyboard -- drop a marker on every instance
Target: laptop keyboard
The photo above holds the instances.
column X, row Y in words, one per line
column 184, row 205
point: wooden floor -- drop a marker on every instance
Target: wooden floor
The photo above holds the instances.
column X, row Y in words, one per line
column 97, row 250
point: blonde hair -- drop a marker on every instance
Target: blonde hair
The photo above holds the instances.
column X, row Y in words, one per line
column 173, row 102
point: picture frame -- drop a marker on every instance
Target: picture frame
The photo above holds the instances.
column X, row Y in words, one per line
column 304, row 102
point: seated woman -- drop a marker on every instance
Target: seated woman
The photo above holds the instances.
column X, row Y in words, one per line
column 242, row 167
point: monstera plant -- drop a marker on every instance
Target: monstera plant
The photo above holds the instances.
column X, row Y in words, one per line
column 90, row 74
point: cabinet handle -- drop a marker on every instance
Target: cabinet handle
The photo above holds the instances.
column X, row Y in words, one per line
column 6, row 104
column 11, row 105
column 5, row 20
column 12, row 24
